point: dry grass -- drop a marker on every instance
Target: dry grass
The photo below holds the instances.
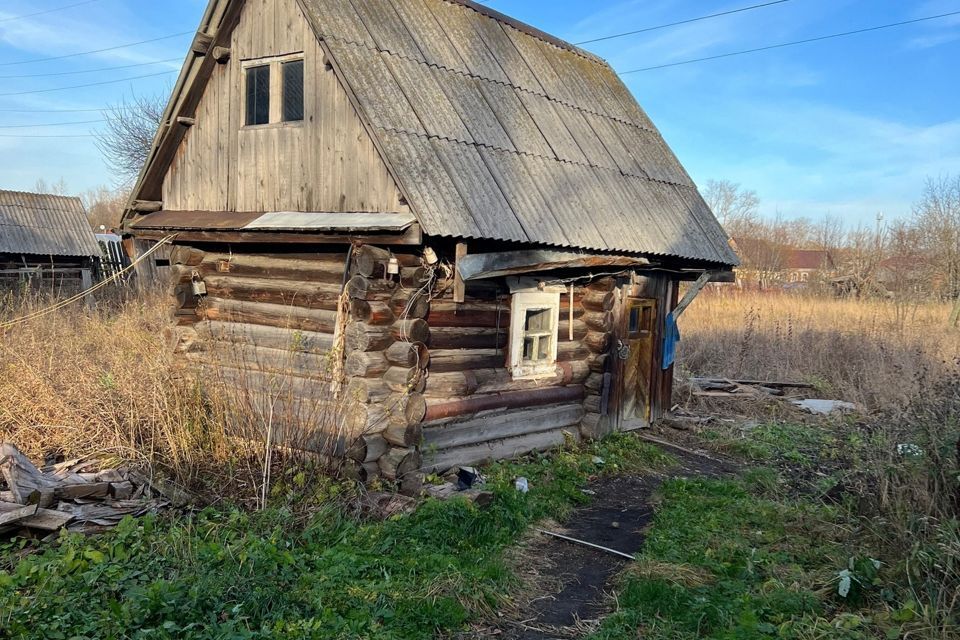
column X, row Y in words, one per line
column 875, row 353
column 103, row 382
column 79, row 382
column 902, row 365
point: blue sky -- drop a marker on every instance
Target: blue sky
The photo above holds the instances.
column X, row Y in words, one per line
column 849, row 127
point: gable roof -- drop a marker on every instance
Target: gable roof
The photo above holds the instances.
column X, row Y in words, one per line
column 44, row 224
column 495, row 130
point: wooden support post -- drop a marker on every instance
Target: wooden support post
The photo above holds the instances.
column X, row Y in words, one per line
column 459, row 288
column 86, row 281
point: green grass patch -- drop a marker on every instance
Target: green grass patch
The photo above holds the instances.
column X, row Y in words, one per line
column 724, row 561
column 229, row 574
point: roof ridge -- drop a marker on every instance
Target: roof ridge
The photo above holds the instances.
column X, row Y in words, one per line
column 468, row 74
column 529, row 29
column 41, row 194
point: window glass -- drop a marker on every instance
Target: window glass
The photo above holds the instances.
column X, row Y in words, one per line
column 533, row 331
column 634, row 324
column 292, row 91
column 258, row 95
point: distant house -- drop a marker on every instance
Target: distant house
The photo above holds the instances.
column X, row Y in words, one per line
column 766, row 264
column 804, row 265
column 46, row 243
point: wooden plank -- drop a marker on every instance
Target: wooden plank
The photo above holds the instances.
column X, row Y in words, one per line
column 21, row 476
column 12, row 513
column 504, row 425
column 438, row 461
column 459, row 289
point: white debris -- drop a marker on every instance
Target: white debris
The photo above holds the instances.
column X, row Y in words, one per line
column 909, row 450
column 522, row 485
column 825, row 407
column 597, row 460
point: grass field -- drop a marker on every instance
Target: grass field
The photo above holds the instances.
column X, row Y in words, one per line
column 831, row 530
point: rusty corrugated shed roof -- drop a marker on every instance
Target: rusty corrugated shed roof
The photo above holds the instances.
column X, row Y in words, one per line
column 498, row 131
column 44, row 224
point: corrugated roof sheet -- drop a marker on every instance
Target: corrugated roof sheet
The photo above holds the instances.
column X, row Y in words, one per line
column 44, row 224
column 498, row 131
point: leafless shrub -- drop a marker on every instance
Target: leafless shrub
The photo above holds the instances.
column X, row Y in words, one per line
column 130, row 128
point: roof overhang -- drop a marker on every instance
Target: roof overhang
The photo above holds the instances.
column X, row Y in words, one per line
column 278, row 226
column 479, row 266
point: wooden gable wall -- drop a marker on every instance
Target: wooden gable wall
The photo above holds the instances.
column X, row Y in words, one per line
column 326, row 163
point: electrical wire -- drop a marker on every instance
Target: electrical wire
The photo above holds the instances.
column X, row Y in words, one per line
column 53, row 110
column 89, row 84
column 87, row 53
column 791, row 44
column 79, row 135
column 74, row 73
column 680, row 22
column 46, row 11
column 49, row 124
column 79, row 296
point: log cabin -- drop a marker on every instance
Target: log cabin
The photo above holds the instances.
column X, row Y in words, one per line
column 463, row 229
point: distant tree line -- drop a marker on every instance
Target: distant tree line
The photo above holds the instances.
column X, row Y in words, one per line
column 916, row 256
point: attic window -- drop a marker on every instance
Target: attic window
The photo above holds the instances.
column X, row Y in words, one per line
column 273, row 90
column 292, row 90
column 533, row 334
column 258, row 95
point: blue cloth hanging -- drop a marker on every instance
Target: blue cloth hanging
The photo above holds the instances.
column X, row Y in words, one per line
column 671, row 336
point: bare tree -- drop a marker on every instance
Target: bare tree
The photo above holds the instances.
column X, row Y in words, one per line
column 937, row 219
column 130, row 128
column 735, row 207
column 104, row 207
column 58, row 188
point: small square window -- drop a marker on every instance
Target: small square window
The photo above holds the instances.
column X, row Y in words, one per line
column 292, row 91
column 258, row 95
column 533, row 331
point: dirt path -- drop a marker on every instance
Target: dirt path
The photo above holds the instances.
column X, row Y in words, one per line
column 576, row 581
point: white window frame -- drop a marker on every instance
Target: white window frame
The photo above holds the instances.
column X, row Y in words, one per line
column 276, row 90
column 522, row 303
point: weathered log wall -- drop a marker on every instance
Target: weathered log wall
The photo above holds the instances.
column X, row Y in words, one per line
column 423, row 381
column 476, row 410
column 262, row 339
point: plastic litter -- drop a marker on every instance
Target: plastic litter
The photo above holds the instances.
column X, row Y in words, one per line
column 825, row 407
column 522, row 485
column 468, row 477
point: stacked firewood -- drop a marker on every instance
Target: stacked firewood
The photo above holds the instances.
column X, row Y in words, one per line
column 72, row 495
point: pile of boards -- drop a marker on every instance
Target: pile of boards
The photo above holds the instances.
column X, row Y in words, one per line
column 727, row 388
column 70, row 495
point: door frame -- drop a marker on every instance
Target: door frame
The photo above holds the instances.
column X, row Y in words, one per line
column 628, row 294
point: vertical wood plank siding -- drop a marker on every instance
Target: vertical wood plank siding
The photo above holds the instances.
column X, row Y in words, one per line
column 326, row 162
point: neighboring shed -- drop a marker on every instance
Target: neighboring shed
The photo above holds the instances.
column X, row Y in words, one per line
column 463, row 231
column 45, row 241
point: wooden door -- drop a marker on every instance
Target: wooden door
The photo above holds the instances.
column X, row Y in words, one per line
column 636, row 349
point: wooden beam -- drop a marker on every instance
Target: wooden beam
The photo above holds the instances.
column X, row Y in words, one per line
column 185, row 121
column 479, row 266
column 692, row 293
column 195, row 82
column 411, row 236
column 201, row 44
column 147, row 206
column 221, row 54
column 459, row 287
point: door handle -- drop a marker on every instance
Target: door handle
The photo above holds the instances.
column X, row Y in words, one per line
column 623, row 350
